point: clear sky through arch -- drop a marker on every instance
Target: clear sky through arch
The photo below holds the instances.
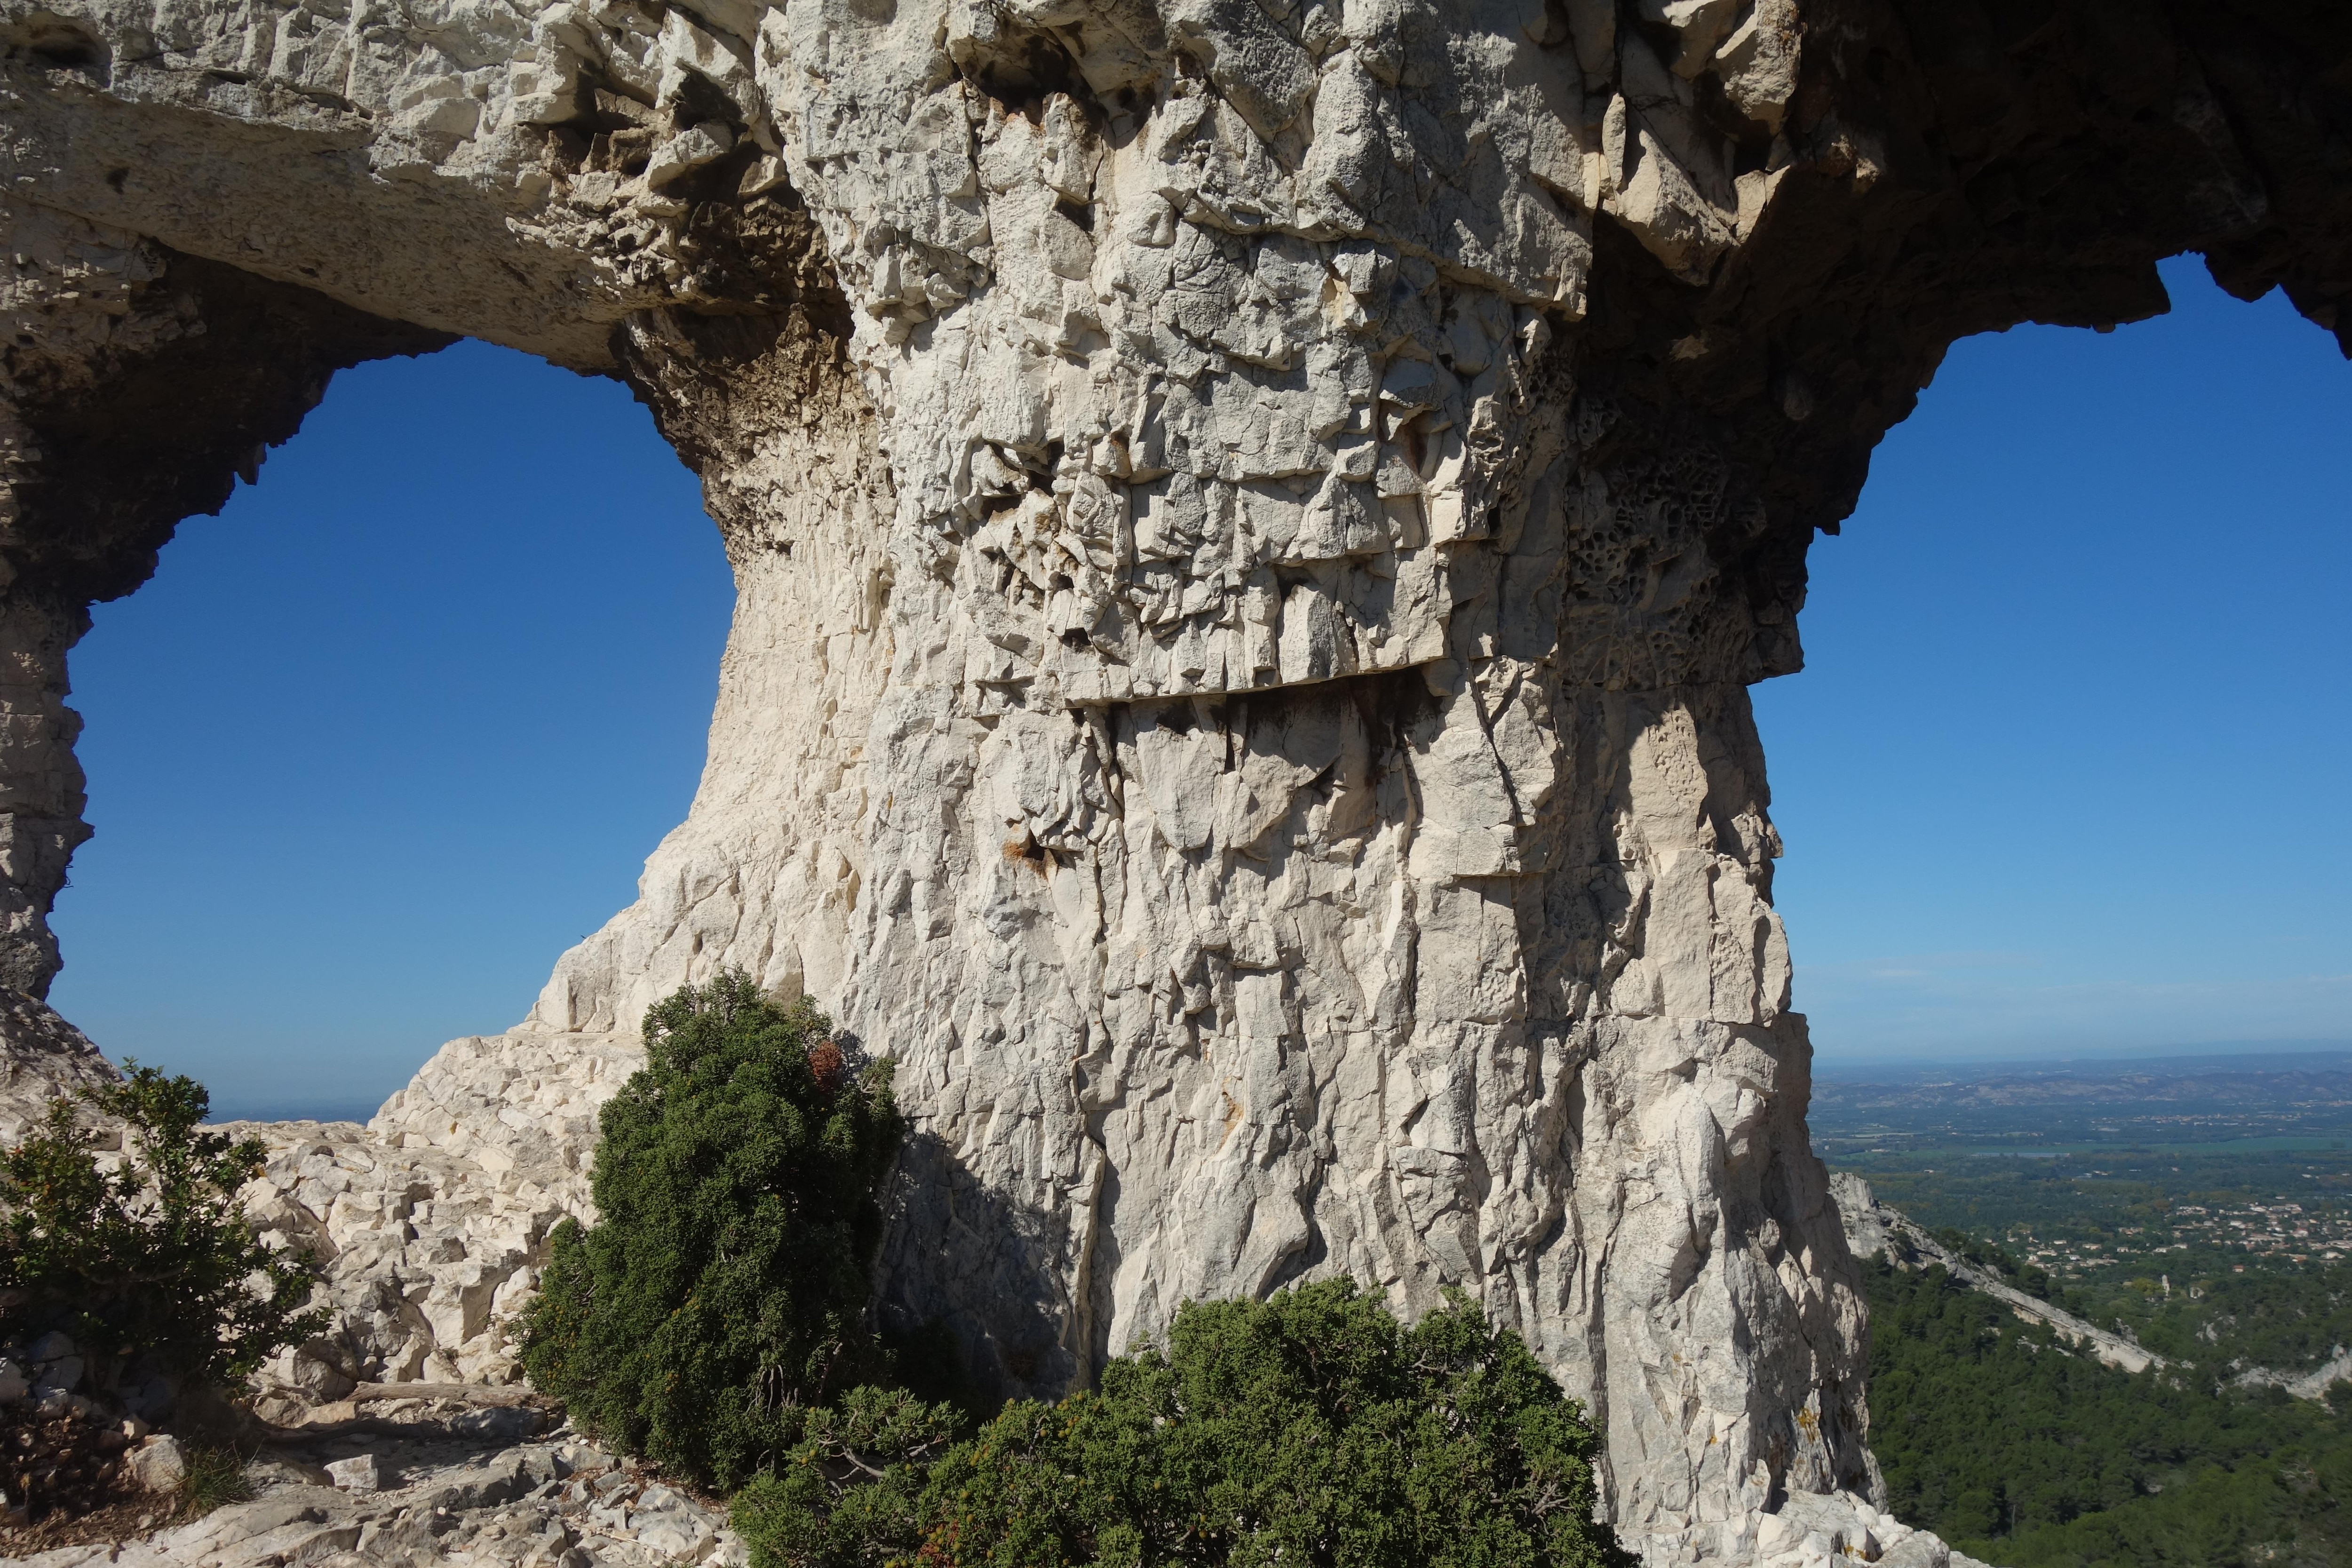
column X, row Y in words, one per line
column 392, row 731
column 2066, row 772
column 2063, row 775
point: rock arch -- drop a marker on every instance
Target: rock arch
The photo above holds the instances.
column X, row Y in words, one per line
column 1252, row 524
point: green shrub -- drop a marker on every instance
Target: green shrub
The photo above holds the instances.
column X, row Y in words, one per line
column 1312, row 1429
column 852, row 1488
column 152, row 1259
column 721, row 1292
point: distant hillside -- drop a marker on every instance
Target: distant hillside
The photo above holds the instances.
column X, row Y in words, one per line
column 2031, row 1439
column 1879, row 1230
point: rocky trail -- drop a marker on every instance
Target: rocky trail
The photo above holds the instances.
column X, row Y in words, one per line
column 434, row 1482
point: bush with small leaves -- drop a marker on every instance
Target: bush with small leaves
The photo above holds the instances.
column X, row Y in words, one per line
column 722, row 1293
column 147, row 1257
column 855, row 1482
column 1312, row 1429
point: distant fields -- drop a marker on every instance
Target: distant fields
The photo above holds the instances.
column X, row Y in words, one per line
column 2204, row 1210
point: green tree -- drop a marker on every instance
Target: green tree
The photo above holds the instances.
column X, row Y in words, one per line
column 721, row 1292
column 2093, row 1466
column 155, row 1258
column 1311, row 1428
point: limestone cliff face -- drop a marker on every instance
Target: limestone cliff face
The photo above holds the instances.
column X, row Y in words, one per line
column 1252, row 524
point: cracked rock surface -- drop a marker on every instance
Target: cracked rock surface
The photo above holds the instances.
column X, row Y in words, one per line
column 433, row 1218
column 1252, row 524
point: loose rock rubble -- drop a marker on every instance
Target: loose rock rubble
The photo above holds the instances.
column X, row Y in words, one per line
column 58, row 1460
column 432, row 1220
column 1252, row 524
column 426, row 1492
column 1830, row 1531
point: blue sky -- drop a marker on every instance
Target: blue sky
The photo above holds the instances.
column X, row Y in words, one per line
column 392, row 731
column 2067, row 769
column 2066, row 773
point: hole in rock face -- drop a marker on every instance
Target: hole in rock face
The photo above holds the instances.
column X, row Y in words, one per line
column 2061, row 774
column 1022, row 67
column 55, row 43
column 73, row 55
column 384, row 737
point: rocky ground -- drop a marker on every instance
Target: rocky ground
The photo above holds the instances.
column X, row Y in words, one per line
column 484, row 1487
column 432, row 1219
column 426, row 1482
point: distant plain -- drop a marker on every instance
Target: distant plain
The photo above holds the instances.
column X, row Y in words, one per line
column 2200, row 1206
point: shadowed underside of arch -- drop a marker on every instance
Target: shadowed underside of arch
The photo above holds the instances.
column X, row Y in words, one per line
column 1252, row 526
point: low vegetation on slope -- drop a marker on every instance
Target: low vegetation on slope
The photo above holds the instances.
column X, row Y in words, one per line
column 2229, row 1259
column 1309, row 1428
column 147, row 1261
column 1991, row 1433
column 132, row 1284
column 712, row 1320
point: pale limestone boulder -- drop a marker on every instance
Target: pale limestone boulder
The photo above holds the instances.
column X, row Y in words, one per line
column 360, row 1473
column 159, row 1464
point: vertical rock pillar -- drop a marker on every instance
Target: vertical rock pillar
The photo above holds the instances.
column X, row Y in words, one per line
column 41, row 797
column 1262, row 744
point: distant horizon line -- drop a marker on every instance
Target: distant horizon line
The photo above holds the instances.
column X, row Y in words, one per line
column 1844, row 1065
column 1836, row 1066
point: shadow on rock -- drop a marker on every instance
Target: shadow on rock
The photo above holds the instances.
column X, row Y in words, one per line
column 963, row 1265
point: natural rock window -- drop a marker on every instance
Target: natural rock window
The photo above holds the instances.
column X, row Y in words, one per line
column 390, row 731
